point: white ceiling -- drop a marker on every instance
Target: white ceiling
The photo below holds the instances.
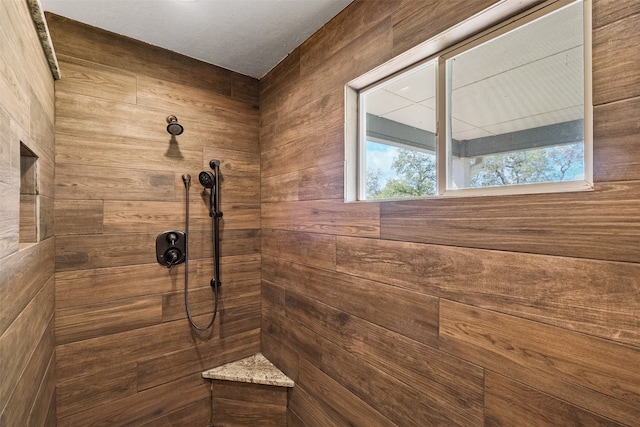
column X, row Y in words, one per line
column 247, row 36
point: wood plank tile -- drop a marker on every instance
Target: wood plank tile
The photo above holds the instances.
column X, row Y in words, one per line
column 188, row 416
column 245, row 88
column 104, row 250
column 606, row 12
column 292, row 335
column 445, row 384
column 238, row 413
column 511, row 403
column 78, row 217
column 240, row 180
column 303, row 153
column 267, row 132
column 159, row 153
column 127, row 347
column 94, row 118
column 318, row 250
column 99, row 81
column 326, row 112
column 28, row 219
column 281, row 355
column 286, row 72
column 374, row 387
column 233, row 162
column 24, row 395
column 250, row 393
column 549, row 359
column 46, row 183
column 367, row 51
column 544, row 223
column 94, row 286
column 613, row 79
column 239, row 216
column 235, row 270
column 145, row 405
column 9, row 150
column 240, row 277
column 149, row 216
column 27, row 341
column 336, row 401
column 22, row 338
column 239, row 319
column 202, row 299
column 615, row 141
column 326, row 217
column 240, row 190
column 273, row 299
column 93, row 182
column 232, row 243
column 26, row 51
column 227, row 131
column 324, row 182
column 164, row 368
column 303, row 406
column 414, row 23
column 114, row 381
column 9, row 219
column 342, row 30
column 158, row 216
column 13, row 83
column 43, row 411
column 46, row 218
column 572, row 293
column 280, row 188
column 182, row 98
column 410, row 313
column 91, row 321
column 41, row 132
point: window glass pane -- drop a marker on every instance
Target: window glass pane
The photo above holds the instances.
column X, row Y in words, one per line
column 399, row 141
column 516, row 105
column 394, row 172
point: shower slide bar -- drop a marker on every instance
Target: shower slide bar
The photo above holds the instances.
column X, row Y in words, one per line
column 210, row 181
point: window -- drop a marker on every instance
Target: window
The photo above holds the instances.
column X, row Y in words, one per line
column 505, row 112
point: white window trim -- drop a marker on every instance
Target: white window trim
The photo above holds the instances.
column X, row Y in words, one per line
column 496, row 18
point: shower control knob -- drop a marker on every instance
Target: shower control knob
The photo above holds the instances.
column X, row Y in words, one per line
column 172, row 238
column 171, row 248
column 172, row 256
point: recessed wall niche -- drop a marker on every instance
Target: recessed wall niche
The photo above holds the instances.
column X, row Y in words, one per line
column 29, row 198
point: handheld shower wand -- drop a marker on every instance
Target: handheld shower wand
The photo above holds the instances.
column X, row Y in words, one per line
column 210, row 183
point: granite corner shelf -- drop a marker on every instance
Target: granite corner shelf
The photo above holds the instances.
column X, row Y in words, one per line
column 255, row 369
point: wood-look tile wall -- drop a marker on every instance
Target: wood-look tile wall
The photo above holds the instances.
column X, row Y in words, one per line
column 125, row 352
column 27, row 345
column 440, row 312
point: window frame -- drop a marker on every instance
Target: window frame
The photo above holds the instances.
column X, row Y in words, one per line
column 460, row 38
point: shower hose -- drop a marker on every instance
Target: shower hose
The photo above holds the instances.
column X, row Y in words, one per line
column 215, row 282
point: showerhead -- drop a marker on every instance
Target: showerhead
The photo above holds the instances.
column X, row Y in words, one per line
column 173, row 127
column 206, row 179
